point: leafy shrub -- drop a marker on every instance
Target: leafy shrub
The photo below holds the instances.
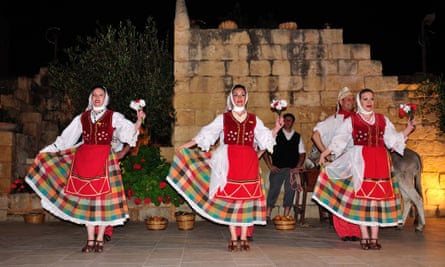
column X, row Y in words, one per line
column 144, row 177
column 131, row 64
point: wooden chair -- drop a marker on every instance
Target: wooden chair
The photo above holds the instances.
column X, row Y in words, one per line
column 308, row 180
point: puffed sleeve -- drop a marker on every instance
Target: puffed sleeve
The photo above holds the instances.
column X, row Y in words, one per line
column 209, row 134
column 341, row 138
column 263, row 136
column 69, row 137
column 393, row 139
column 124, row 130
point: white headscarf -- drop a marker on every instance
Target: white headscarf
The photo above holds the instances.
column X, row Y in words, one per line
column 230, row 102
column 360, row 109
column 90, row 99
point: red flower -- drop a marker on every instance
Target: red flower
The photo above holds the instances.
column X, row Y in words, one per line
column 143, row 160
column 147, row 201
column 160, row 199
column 407, row 109
column 137, row 201
column 129, row 193
column 162, row 185
column 137, row 166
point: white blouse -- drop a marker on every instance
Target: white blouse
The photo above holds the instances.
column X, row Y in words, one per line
column 124, row 132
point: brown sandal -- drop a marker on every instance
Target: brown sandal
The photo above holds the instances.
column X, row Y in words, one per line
column 99, row 248
column 364, row 243
column 233, row 245
column 89, row 248
column 245, row 245
column 374, row 244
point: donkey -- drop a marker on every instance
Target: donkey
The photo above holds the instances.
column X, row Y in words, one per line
column 407, row 170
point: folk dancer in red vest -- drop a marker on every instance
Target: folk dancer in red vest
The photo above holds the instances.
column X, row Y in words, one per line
column 83, row 184
column 224, row 185
column 357, row 186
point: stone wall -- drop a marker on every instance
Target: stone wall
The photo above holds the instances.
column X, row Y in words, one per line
column 307, row 67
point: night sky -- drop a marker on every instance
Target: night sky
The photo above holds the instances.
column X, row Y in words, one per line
column 392, row 32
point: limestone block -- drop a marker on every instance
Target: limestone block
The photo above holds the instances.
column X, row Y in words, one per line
column 360, row 51
column 316, row 67
column 347, row 67
column 182, row 53
column 238, row 68
column 261, row 67
column 316, row 52
column 332, row 36
column 207, row 84
column 331, row 67
column 281, row 67
column 5, row 183
column 8, row 101
column 6, row 138
column 291, row 83
column 184, row 69
column 185, row 118
column 167, row 152
column 281, row 37
column 6, row 154
column 369, row 67
column 35, row 117
column 271, row 52
column 213, row 52
column 311, row 36
column 20, row 203
column 31, row 128
column 236, row 37
column 211, row 68
column 381, row 83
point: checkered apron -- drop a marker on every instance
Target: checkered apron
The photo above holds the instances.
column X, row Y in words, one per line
column 190, row 175
column 48, row 177
column 338, row 196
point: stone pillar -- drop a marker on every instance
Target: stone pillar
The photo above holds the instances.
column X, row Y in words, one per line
column 7, row 159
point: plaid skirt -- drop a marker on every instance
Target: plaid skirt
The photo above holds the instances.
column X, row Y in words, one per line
column 48, row 177
column 190, row 176
column 338, row 196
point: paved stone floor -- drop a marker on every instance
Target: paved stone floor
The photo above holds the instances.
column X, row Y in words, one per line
column 314, row 244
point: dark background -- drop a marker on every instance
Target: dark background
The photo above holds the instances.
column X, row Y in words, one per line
column 28, row 28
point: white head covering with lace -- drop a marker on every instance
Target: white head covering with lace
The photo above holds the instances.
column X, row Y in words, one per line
column 90, row 99
column 231, row 103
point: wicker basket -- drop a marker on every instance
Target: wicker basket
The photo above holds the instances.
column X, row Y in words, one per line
column 156, row 225
column 284, row 224
column 185, row 222
column 34, row 218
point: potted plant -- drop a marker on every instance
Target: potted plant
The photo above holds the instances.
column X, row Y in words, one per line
column 144, row 176
column 20, row 201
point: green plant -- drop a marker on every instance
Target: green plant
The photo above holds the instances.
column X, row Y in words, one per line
column 144, row 177
column 19, row 186
column 131, row 64
column 432, row 94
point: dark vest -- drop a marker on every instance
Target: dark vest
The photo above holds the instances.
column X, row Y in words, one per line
column 285, row 152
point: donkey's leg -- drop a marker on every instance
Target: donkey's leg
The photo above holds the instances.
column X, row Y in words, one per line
column 418, row 203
